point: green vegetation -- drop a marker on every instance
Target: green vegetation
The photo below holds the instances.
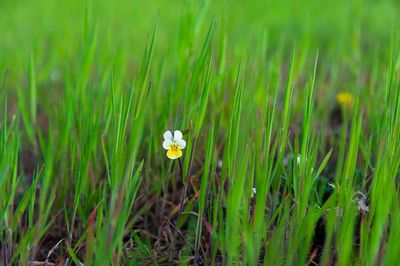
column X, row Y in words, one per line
column 278, row 169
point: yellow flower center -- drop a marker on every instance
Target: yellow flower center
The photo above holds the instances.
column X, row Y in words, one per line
column 174, row 152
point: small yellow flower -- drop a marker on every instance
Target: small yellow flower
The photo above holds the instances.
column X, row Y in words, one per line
column 174, row 144
column 345, row 99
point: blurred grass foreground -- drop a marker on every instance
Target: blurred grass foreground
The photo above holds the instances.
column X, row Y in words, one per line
column 284, row 142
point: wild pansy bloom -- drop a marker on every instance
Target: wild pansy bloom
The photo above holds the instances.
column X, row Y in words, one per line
column 174, row 144
column 345, row 99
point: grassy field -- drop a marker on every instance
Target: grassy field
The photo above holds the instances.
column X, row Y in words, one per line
column 290, row 111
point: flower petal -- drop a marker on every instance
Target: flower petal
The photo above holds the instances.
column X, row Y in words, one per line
column 168, row 135
column 174, row 154
column 177, row 135
column 167, row 143
column 181, row 143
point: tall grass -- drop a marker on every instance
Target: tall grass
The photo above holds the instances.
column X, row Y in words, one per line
column 276, row 171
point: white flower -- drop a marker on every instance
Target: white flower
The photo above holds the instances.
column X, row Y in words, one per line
column 174, row 144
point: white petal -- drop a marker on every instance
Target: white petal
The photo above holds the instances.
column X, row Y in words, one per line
column 177, row 135
column 181, row 144
column 167, row 143
column 167, row 135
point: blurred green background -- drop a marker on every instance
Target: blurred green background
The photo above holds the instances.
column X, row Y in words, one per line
column 353, row 39
column 41, row 25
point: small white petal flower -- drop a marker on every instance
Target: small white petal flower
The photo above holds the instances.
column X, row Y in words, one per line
column 181, row 143
column 167, row 143
column 177, row 135
column 168, row 135
column 174, row 144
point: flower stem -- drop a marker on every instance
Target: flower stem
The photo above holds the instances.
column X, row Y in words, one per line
column 184, row 189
